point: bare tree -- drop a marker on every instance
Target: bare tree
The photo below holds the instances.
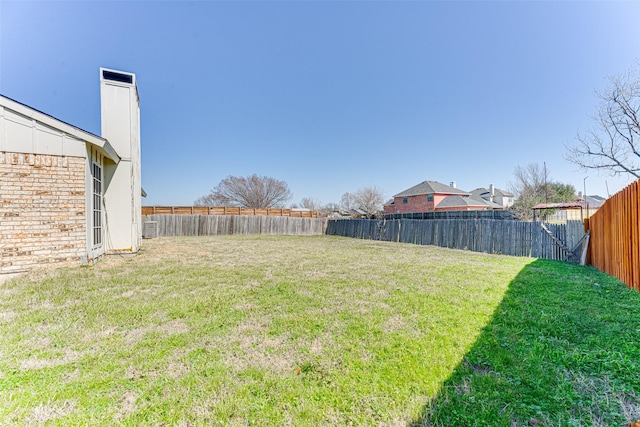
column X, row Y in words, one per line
column 369, row 200
column 310, row 203
column 248, row 192
column 347, row 201
column 529, row 180
column 210, row 199
column 329, row 209
column 533, row 186
column 614, row 142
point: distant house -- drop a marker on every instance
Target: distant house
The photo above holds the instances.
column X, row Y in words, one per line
column 495, row 195
column 592, row 202
column 357, row 213
column 433, row 196
column 65, row 193
column 464, row 203
column 582, row 208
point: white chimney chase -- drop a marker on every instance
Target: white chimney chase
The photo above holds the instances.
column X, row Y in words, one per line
column 120, row 115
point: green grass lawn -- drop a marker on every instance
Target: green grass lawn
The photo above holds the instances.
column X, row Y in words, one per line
column 307, row 331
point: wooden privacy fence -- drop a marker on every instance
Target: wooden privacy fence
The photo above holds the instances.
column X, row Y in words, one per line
column 226, row 210
column 480, row 235
column 615, row 236
column 209, row 225
column 490, row 214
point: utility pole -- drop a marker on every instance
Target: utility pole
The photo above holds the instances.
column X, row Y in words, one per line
column 546, row 194
column 584, row 188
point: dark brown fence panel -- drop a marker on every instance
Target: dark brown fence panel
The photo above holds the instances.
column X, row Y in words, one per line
column 615, row 236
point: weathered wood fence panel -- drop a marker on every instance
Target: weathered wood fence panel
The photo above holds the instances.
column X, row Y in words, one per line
column 479, row 235
column 226, row 210
column 209, row 225
column 615, row 236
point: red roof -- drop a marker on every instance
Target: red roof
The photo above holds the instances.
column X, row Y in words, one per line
column 567, row 205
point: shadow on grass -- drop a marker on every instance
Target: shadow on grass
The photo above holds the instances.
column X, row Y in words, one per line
column 562, row 349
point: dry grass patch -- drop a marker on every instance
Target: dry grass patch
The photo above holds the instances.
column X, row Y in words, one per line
column 40, row 363
column 45, row 413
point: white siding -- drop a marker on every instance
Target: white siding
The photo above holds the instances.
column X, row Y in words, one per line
column 22, row 134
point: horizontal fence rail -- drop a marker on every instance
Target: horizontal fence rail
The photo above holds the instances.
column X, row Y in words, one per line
column 211, row 225
column 479, row 235
column 476, row 214
column 226, row 210
column 615, row 236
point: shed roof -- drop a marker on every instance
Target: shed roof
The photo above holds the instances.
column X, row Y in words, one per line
column 430, row 187
column 565, row 205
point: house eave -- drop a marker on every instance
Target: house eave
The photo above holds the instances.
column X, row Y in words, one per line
column 73, row 131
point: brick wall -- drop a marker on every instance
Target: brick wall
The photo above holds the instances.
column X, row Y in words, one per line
column 420, row 203
column 42, row 210
column 417, row 203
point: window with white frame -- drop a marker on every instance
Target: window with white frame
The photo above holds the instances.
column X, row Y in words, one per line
column 96, row 173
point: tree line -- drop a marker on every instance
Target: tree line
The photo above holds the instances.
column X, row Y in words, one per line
column 611, row 145
column 532, row 184
column 263, row 192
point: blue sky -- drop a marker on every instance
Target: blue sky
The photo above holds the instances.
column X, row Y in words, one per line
column 329, row 96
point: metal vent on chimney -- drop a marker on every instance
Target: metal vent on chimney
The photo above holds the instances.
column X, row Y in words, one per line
column 117, row 77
